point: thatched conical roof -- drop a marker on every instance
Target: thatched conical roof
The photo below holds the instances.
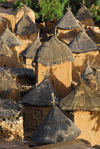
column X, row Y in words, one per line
column 83, row 43
column 40, row 95
column 8, row 109
column 4, row 49
column 56, row 127
column 7, row 83
column 83, row 13
column 10, row 39
column 30, row 51
column 25, row 26
column 67, row 21
column 1, row 19
column 83, row 98
column 53, row 52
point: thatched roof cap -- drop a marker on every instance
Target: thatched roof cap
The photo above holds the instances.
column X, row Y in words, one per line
column 10, row 39
column 53, row 52
column 1, row 19
column 4, row 49
column 83, row 43
column 67, row 21
column 9, row 109
column 83, row 13
column 56, row 127
column 19, row 72
column 25, row 26
column 40, row 95
column 7, row 83
column 83, row 98
column 30, row 51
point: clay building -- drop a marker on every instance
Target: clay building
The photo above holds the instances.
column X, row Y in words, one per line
column 8, row 87
column 25, row 27
column 83, row 46
column 29, row 53
column 57, row 57
column 84, row 103
column 1, row 23
column 7, row 58
column 12, row 42
column 84, row 15
column 67, row 27
column 56, row 127
column 37, row 103
column 11, row 120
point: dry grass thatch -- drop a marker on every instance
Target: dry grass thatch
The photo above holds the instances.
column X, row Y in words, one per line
column 40, row 95
column 83, row 43
column 53, row 52
column 25, row 26
column 83, row 13
column 67, row 21
column 30, row 51
column 10, row 39
column 56, row 127
column 83, row 98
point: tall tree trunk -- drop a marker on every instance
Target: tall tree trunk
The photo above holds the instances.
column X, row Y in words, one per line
column 45, row 38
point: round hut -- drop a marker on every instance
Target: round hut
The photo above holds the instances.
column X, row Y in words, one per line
column 56, row 127
column 11, row 122
column 12, row 41
column 37, row 103
column 55, row 55
column 84, row 15
column 83, row 46
column 25, row 29
column 7, row 58
column 68, row 27
column 8, row 87
column 29, row 53
column 84, row 102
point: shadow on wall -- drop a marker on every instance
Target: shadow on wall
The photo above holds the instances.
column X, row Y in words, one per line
column 81, row 59
column 95, row 116
column 8, row 22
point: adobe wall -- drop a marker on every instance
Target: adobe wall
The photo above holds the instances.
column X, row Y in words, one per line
column 62, row 72
column 34, row 115
column 14, row 94
column 28, row 63
column 89, row 124
column 8, row 61
column 80, row 59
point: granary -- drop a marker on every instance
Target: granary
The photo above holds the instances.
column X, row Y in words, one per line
column 84, row 102
column 57, row 57
column 83, row 46
column 37, row 103
column 29, row 53
column 7, row 58
column 11, row 120
column 8, row 87
column 68, row 27
column 25, row 28
column 12, row 41
column 84, row 15
column 56, row 127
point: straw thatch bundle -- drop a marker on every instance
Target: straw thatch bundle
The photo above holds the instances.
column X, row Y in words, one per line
column 7, row 84
column 67, row 21
column 10, row 39
column 9, row 109
column 83, row 43
column 83, row 98
column 83, row 13
column 56, row 127
column 25, row 26
column 40, row 95
column 1, row 19
column 53, row 52
column 30, row 51
column 4, row 49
